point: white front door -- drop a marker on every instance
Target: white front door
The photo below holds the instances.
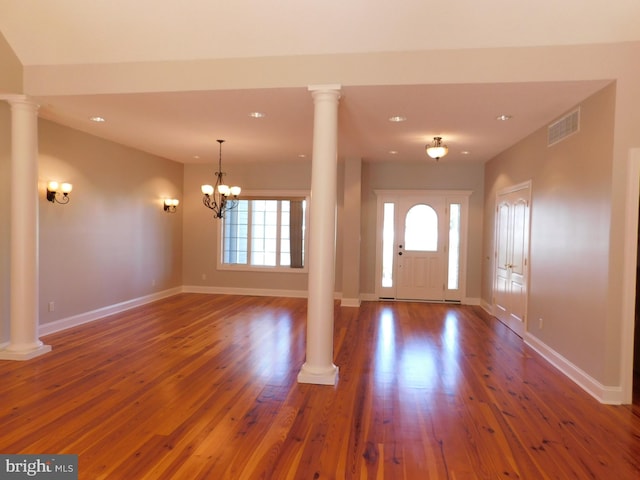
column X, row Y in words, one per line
column 421, row 233
column 511, row 258
column 421, row 245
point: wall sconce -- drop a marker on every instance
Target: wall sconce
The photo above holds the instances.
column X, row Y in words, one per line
column 58, row 192
column 170, row 204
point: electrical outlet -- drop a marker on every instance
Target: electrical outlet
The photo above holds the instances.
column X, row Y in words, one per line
column 52, row 306
column 204, row 276
column 153, row 282
column 540, row 324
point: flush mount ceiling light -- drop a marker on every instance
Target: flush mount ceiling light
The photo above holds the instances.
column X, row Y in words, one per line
column 504, row 117
column 220, row 197
column 257, row 115
column 437, row 149
column 97, row 119
column 397, row 119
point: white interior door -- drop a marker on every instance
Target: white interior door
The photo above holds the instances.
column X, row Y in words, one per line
column 511, row 258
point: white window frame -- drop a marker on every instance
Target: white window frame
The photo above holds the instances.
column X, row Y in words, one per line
column 266, row 195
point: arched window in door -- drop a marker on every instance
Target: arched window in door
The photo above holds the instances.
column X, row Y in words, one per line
column 421, row 229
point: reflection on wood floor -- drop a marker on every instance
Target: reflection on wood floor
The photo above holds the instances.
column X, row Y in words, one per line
column 204, row 387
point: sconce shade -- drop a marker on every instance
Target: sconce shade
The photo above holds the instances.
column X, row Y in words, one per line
column 437, row 149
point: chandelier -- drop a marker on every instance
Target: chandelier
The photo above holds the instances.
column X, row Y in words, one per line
column 436, row 149
column 220, row 197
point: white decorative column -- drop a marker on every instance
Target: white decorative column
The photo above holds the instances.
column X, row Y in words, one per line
column 23, row 342
column 318, row 367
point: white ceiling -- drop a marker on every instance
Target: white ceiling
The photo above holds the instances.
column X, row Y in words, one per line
column 183, row 124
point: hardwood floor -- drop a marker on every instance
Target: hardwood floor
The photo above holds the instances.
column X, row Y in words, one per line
column 204, row 387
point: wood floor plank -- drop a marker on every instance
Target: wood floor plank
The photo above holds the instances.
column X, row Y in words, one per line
column 204, row 386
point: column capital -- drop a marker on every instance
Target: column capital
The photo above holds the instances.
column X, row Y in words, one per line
column 325, row 87
column 19, row 99
column 332, row 90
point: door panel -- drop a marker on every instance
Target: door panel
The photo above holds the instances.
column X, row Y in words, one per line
column 512, row 246
column 518, row 261
column 421, row 266
column 501, row 290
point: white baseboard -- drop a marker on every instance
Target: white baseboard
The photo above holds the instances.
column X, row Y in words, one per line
column 471, row 301
column 75, row 320
column 372, row 297
column 350, row 302
column 64, row 323
column 255, row 292
column 610, row 395
column 487, row 307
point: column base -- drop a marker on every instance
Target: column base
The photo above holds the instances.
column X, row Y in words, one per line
column 24, row 354
column 316, row 377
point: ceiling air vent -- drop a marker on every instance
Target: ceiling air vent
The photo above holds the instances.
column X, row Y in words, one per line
column 566, row 126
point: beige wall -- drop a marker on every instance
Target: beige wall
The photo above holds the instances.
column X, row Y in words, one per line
column 10, row 69
column 570, row 221
column 10, row 82
column 113, row 242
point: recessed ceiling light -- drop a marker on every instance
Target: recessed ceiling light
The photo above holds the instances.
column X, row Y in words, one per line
column 302, row 155
column 257, row 115
column 504, row 117
column 397, row 118
column 196, row 157
column 465, row 152
column 97, row 119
